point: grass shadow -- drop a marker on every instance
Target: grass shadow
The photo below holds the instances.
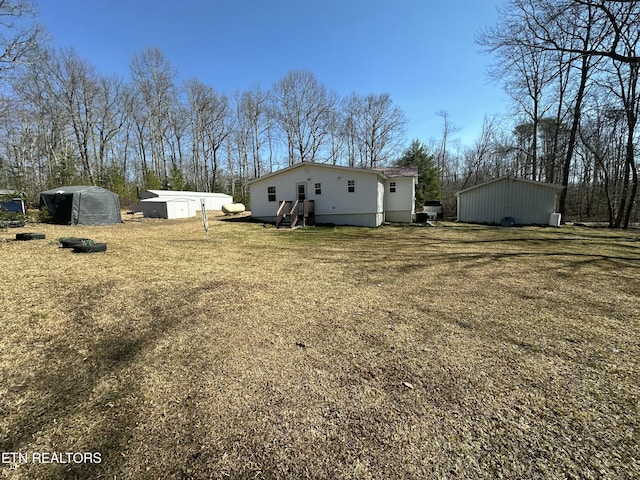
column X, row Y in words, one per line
column 87, row 376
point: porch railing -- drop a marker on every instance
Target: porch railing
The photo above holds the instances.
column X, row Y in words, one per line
column 282, row 211
column 299, row 210
column 294, row 214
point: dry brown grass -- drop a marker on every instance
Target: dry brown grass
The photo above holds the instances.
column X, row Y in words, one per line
column 401, row 352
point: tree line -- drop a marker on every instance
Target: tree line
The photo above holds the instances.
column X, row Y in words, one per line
column 68, row 123
column 570, row 66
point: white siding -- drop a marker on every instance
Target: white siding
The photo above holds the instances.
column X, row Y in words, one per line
column 335, row 204
column 213, row 201
column 527, row 202
column 162, row 207
column 399, row 206
column 182, row 208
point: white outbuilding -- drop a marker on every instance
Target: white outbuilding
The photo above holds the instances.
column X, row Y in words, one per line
column 335, row 194
column 213, row 201
column 509, row 201
column 169, row 207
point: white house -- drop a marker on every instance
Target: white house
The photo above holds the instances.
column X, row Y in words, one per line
column 399, row 193
column 338, row 195
column 213, row 201
column 508, row 200
column 169, row 207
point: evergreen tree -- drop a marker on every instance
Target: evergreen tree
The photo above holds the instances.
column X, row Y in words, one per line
column 176, row 179
column 150, row 180
column 63, row 171
column 113, row 180
column 428, row 187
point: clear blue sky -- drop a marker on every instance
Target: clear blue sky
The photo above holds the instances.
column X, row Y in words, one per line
column 421, row 52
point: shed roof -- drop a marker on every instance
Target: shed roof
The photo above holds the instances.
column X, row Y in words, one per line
column 185, row 193
column 162, row 199
column 513, row 179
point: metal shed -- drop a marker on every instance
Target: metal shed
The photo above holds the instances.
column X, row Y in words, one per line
column 508, row 200
column 212, row 201
column 168, row 207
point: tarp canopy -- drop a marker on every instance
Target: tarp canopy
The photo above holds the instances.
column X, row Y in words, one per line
column 81, row 205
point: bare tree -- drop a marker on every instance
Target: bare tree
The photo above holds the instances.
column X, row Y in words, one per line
column 602, row 134
column 112, row 110
column 176, row 134
column 303, row 110
column 442, row 151
column 199, row 104
column 210, row 128
column 525, row 73
column 37, row 129
column 241, row 141
column 154, row 79
column 581, row 35
column 376, row 128
column 349, row 131
column 604, row 30
column 337, row 139
column 382, row 125
column 616, row 23
column 18, row 39
column 628, row 94
column 217, row 132
column 255, row 120
column 480, row 162
column 72, row 82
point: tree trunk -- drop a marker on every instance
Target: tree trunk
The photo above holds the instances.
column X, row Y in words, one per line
column 575, row 124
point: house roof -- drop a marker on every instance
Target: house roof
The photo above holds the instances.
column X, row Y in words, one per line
column 398, row 172
column 381, row 172
column 513, row 179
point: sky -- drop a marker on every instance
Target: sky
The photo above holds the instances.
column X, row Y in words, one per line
column 421, row 52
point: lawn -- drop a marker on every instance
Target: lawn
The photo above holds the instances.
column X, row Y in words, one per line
column 458, row 351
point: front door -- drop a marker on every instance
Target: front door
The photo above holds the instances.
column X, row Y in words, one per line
column 301, row 189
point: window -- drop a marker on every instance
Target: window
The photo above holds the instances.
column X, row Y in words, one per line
column 351, row 186
column 318, row 188
column 271, row 192
column 392, row 187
